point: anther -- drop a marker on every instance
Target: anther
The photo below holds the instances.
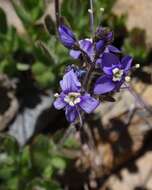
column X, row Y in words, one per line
column 90, row 11
column 137, row 66
column 127, row 78
column 56, row 95
column 102, row 9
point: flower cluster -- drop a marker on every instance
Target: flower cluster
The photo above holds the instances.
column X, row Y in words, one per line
column 80, row 91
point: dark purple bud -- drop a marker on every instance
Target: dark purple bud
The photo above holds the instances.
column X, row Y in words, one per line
column 67, row 37
column 110, row 36
column 100, row 46
column 79, row 72
column 104, row 34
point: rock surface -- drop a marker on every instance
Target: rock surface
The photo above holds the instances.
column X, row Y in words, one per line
column 140, row 179
column 139, row 15
column 8, row 102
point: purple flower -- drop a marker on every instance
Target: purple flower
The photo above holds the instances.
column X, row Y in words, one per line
column 66, row 36
column 100, row 46
column 80, row 73
column 87, row 46
column 102, row 39
column 109, row 49
column 72, row 99
column 115, row 71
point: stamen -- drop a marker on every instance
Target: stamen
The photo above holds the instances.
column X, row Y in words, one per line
column 102, row 9
column 72, row 98
column 127, row 78
column 71, row 103
column 137, row 66
column 77, row 100
column 117, row 74
column 56, row 95
column 115, row 70
column 90, row 11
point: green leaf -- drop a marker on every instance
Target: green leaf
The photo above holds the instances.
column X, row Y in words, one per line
column 22, row 13
column 40, row 153
column 35, row 8
column 50, row 25
column 58, row 162
column 22, row 67
column 3, row 22
column 71, row 143
column 47, row 174
column 46, row 51
column 38, row 68
column 43, row 185
column 9, row 144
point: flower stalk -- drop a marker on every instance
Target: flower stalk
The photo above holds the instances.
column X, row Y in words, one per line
column 81, row 91
column 57, row 12
column 91, row 17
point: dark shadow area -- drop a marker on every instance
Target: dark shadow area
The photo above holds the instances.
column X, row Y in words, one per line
column 28, row 93
column 5, row 100
column 143, row 76
column 140, row 188
column 73, row 179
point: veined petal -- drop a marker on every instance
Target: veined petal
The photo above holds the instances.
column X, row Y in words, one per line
column 99, row 62
column 88, row 104
column 109, row 59
column 100, row 45
column 87, row 46
column 103, row 85
column 66, row 36
column 71, row 113
column 75, row 54
column 126, row 62
column 107, row 70
column 70, row 83
column 113, row 49
column 59, row 103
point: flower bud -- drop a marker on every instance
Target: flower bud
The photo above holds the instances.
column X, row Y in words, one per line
column 100, row 45
column 127, row 78
column 137, row 66
column 103, row 33
column 67, row 37
column 102, row 38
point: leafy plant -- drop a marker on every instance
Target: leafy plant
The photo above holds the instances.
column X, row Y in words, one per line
column 33, row 166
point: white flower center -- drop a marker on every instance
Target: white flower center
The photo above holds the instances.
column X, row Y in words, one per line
column 117, row 74
column 72, row 98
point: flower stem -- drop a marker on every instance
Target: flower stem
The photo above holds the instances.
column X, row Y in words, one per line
column 138, row 98
column 91, row 17
column 57, row 11
column 88, row 74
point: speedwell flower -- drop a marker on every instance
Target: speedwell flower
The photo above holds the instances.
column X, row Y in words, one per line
column 72, row 99
column 115, row 72
column 88, row 47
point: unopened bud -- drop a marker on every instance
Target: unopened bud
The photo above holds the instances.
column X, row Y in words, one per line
column 137, row 66
column 56, row 95
column 102, row 9
column 127, row 79
column 90, row 11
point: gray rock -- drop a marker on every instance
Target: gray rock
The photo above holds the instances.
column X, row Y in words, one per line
column 24, row 125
